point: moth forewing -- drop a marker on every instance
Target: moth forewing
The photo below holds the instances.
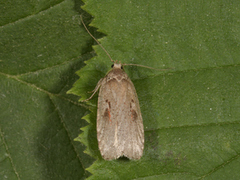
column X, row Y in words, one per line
column 120, row 129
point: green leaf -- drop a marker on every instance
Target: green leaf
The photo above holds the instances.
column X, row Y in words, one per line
column 191, row 113
column 41, row 48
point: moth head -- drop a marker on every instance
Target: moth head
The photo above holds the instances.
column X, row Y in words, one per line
column 117, row 65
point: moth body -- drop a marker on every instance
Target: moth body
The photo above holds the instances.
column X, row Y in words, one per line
column 119, row 121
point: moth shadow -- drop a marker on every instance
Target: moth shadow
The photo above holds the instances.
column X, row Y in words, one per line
column 123, row 159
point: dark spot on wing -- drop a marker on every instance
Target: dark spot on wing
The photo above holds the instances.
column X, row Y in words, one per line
column 107, row 115
column 132, row 101
column 109, row 104
column 134, row 115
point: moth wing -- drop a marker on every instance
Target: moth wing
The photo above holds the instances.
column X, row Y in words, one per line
column 119, row 121
column 131, row 131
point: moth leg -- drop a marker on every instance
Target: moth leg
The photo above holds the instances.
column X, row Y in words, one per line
column 95, row 90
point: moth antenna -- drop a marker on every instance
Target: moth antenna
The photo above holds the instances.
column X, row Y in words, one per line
column 146, row 67
column 95, row 38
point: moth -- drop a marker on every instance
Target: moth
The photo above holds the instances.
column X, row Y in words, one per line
column 120, row 130
column 119, row 121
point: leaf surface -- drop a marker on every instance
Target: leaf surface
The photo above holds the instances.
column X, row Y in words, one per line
column 191, row 112
column 41, row 48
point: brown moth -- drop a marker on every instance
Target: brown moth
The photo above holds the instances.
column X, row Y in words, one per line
column 119, row 121
column 120, row 130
